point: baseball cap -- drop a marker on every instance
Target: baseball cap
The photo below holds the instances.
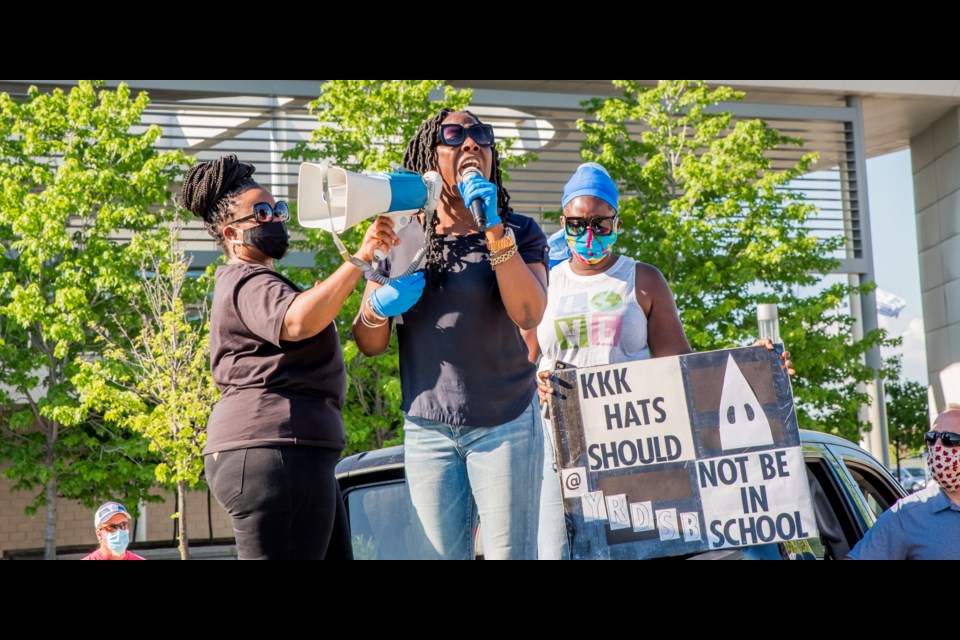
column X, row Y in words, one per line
column 107, row 510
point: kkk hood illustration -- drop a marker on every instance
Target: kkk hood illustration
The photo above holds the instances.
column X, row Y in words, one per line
column 742, row 421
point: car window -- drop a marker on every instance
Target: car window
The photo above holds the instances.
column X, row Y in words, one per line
column 835, row 520
column 877, row 492
column 380, row 524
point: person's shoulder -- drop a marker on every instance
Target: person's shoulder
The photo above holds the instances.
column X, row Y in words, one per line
column 261, row 275
column 237, row 271
column 647, row 274
column 559, row 250
column 95, row 555
column 132, row 556
column 643, row 267
column 523, row 225
column 927, row 497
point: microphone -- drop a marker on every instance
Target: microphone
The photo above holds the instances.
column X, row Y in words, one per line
column 476, row 206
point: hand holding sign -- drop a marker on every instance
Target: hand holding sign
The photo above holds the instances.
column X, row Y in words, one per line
column 784, row 354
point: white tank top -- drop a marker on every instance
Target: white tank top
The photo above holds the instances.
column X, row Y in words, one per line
column 593, row 319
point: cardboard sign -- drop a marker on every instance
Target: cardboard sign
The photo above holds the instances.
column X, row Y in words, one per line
column 678, row 455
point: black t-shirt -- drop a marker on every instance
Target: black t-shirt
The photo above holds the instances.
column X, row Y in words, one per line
column 462, row 359
column 274, row 392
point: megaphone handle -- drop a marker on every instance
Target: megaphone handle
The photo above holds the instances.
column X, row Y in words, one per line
column 348, row 257
column 378, row 277
column 399, row 222
column 368, row 269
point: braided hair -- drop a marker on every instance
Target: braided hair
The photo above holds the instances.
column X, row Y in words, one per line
column 211, row 188
column 421, row 156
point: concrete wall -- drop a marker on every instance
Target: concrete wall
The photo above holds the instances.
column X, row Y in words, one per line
column 935, row 155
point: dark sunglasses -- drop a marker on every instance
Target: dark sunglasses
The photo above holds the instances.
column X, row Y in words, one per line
column 600, row 226
column 948, row 439
column 110, row 528
column 454, row 134
column 264, row 213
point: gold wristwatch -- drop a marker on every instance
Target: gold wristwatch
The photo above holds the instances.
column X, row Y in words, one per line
column 507, row 241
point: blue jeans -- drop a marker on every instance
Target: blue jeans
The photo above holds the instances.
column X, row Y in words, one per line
column 552, row 540
column 457, row 473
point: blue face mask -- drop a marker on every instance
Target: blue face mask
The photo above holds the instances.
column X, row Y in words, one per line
column 117, row 541
column 590, row 248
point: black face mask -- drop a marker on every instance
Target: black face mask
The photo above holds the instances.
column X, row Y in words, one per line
column 270, row 238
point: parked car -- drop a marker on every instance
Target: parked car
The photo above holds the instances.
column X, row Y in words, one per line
column 850, row 490
column 912, row 478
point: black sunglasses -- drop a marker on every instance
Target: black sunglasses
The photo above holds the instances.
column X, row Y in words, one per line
column 578, row 226
column 264, row 213
column 948, row 439
column 453, row 135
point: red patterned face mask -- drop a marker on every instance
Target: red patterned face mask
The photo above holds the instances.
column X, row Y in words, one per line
column 944, row 465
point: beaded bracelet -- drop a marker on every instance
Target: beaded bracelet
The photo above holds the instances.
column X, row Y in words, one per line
column 499, row 260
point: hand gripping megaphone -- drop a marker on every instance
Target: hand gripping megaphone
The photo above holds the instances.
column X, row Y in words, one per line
column 334, row 199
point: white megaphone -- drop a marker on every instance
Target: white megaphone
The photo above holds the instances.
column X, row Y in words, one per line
column 334, row 199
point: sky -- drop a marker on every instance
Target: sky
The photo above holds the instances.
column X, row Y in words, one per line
column 895, row 256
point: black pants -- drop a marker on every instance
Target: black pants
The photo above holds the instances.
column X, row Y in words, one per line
column 284, row 502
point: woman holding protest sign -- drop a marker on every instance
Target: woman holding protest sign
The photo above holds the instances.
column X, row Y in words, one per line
column 602, row 308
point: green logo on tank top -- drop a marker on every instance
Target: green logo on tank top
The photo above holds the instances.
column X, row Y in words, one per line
column 572, row 332
column 607, row 301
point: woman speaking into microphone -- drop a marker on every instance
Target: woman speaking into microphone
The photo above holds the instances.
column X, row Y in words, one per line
column 276, row 434
column 473, row 441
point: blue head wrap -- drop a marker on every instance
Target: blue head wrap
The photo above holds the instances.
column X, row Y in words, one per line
column 591, row 179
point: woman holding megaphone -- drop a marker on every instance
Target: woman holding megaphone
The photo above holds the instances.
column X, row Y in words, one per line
column 276, row 434
column 473, row 440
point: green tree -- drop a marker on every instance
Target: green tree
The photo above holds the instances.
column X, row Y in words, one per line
column 702, row 203
column 907, row 417
column 158, row 383
column 77, row 171
column 365, row 125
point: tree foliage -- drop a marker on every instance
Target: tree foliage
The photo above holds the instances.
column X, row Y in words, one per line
column 702, row 202
column 158, row 383
column 81, row 192
column 365, row 124
column 907, row 417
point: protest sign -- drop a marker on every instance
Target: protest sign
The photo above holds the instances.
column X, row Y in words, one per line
column 677, row 455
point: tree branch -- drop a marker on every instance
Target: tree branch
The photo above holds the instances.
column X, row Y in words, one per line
column 41, row 421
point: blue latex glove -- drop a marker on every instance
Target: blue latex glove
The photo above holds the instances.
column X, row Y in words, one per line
column 473, row 187
column 398, row 296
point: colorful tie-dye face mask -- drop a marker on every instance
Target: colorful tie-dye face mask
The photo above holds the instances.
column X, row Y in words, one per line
column 592, row 249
